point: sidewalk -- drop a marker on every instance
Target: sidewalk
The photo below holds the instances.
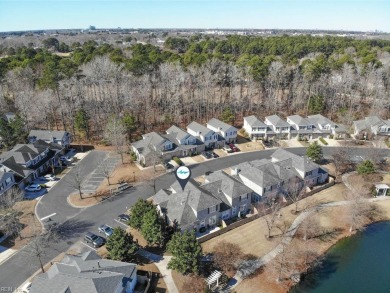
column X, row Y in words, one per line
column 6, row 253
column 162, row 264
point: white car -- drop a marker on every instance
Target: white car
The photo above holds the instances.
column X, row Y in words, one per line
column 33, row 188
column 50, row 177
column 26, row 288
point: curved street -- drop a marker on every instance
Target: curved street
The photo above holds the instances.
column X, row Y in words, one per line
column 76, row 222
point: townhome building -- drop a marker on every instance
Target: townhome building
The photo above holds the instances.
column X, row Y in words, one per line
column 325, row 127
column 210, row 138
column 186, row 143
column 279, row 127
column 228, row 132
column 87, row 272
column 301, row 127
column 273, row 177
column 152, row 148
column 255, row 128
column 7, row 181
column 28, row 161
column 221, row 197
column 371, row 125
column 63, row 138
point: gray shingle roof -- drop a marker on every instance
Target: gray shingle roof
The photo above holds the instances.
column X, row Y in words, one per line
column 300, row 163
column 152, row 139
column 319, row 119
column 227, row 184
column 218, row 124
column 180, row 205
column 299, row 120
column 177, row 133
column 22, row 153
column 196, row 127
column 47, row 134
column 87, row 273
column 277, row 121
column 368, row 122
column 254, row 122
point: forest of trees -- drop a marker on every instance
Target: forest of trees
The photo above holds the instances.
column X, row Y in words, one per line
column 194, row 78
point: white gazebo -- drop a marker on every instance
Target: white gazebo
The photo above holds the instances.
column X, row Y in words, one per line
column 214, row 277
column 381, row 189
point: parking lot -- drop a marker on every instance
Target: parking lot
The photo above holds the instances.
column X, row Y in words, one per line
column 96, row 177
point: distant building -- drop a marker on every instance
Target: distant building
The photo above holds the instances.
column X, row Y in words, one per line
column 7, row 180
column 255, row 128
column 371, row 125
column 63, row 138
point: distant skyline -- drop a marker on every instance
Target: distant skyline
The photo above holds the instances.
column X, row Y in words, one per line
column 360, row 15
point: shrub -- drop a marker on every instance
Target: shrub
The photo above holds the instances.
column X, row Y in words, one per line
column 323, row 141
column 178, row 161
column 331, row 136
column 366, row 167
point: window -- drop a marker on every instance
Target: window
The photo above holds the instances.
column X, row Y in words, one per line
column 202, row 223
column 213, row 209
column 309, row 173
column 243, row 208
column 234, row 210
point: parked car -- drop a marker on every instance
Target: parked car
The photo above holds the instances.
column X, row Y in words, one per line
column 48, row 177
column 33, row 188
column 95, row 240
column 233, row 148
column 208, row 173
column 123, row 218
column 66, row 159
column 207, row 155
column 107, row 230
column 214, row 155
column 168, row 165
column 26, row 288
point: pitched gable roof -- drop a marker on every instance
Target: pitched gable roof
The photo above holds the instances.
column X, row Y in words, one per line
column 303, row 164
column 277, row 121
column 47, row 134
column 299, row 120
column 86, row 273
column 177, row 133
column 199, row 128
column 218, row 124
column 254, row 122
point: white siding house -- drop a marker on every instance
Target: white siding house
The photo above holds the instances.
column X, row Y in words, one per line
column 207, row 136
column 255, row 128
column 228, row 132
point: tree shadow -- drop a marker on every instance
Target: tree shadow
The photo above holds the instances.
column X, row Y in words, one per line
column 71, row 228
column 317, row 275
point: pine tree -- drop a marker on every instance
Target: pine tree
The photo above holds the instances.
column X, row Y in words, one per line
column 186, row 252
column 139, row 209
column 314, row 152
column 151, row 228
column 121, row 246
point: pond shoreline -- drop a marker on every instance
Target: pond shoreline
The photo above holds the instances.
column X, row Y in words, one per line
column 343, row 236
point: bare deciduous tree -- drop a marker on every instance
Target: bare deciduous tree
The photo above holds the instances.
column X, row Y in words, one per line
column 270, row 209
column 226, row 255
column 359, row 211
column 115, row 133
column 75, row 180
column 9, row 215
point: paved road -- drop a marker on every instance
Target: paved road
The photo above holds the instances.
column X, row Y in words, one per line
column 18, row 268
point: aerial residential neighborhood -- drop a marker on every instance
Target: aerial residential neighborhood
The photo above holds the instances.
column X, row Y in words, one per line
column 194, row 146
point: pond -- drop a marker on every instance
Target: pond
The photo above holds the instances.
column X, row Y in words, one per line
column 360, row 263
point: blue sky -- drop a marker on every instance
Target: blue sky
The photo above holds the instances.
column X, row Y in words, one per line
column 282, row 14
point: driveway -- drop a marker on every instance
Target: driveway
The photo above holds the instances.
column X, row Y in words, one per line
column 76, row 222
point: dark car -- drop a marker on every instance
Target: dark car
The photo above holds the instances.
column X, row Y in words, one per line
column 95, row 240
column 214, row 155
column 168, row 166
column 233, row 147
column 123, row 218
column 206, row 155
